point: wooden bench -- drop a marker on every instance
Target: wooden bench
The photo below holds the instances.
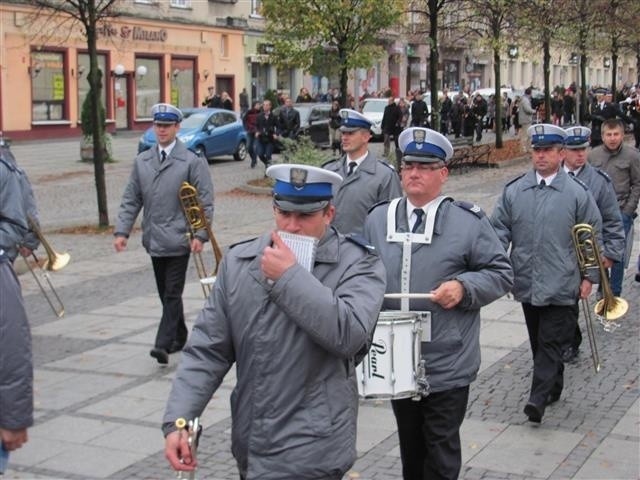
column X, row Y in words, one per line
column 467, row 155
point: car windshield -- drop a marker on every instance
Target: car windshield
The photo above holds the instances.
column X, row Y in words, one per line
column 194, row 119
column 304, row 113
column 374, row 107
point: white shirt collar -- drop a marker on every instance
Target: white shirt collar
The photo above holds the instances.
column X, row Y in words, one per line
column 547, row 180
column 358, row 160
column 167, row 149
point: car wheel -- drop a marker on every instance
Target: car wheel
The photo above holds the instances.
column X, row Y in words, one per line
column 241, row 152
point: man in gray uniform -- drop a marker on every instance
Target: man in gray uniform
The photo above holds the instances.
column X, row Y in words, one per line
column 16, row 365
column 294, row 335
column 154, row 184
column 535, row 215
column 367, row 180
column 600, row 186
column 449, row 249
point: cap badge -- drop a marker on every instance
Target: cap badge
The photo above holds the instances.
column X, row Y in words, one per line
column 162, row 108
column 298, row 177
column 419, row 136
column 539, row 129
column 344, row 114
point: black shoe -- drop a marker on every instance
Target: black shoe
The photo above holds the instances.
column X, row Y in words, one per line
column 534, row 412
column 552, row 398
column 160, row 354
column 638, row 277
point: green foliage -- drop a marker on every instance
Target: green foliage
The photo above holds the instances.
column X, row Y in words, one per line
column 272, row 96
column 350, row 31
column 303, row 151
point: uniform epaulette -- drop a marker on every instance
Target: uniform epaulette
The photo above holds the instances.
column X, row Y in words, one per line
column 360, row 241
column 246, row 240
column 9, row 165
column 604, row 174
column 375, row 205
column 388, row 165
column 515, row 179
column 330, row 161
column 580, row 182
column 470, row 207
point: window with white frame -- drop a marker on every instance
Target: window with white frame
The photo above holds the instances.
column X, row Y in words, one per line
column 256, row 6
column 180, row 3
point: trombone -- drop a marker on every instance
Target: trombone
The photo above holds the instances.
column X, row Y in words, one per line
column 194, row 429
column 197, row 219
column 54, row 262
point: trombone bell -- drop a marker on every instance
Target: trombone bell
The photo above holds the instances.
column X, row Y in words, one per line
column 57, row 261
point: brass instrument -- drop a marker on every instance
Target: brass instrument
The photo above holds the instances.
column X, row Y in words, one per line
column 55, row 261
column 610, row 307
column 197, row 219
column 194, row 429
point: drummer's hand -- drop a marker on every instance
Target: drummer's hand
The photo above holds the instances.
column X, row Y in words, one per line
column 277, row 258
column 448, row 294
column 177, row 451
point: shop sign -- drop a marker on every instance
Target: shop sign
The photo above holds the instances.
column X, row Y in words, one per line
column 126, row 32
column 58, row 86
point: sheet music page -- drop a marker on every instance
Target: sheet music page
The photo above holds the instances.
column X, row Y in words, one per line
column 303, row 247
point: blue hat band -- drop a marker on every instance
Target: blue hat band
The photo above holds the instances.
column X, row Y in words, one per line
column 310, row 192
column 547, row 139
column 166, row 117
column 427, row 150
column 576, row 140
column 356, row 123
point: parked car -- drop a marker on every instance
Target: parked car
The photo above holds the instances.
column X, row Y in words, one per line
column 209, row 132
column 373, row 109
column 314, row 122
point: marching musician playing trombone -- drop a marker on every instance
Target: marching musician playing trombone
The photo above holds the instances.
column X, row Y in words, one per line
column 154, row 184
column 535, row 216
column 16, row 364
column 454, row 254
column 294, row 331
column 600, row 186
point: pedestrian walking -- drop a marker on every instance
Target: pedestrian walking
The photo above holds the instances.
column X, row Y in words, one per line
column 534, row 217
column 154, row 184
column 294, row 333
column 430, row 243
column 622, row 163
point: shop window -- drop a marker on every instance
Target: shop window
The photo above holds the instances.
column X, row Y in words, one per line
column 182, row 82
column 82, row 72
column 47, row 87
column 181, row 3
column 147, row 86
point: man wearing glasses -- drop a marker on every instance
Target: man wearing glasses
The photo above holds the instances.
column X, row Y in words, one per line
column 432, row 244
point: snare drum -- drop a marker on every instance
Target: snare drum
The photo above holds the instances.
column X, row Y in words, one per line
column 390, row 369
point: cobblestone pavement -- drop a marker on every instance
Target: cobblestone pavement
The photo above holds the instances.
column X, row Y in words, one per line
column 100, row 397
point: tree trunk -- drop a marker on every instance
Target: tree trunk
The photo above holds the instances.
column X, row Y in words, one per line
column 584, row 106
column 433, row 65
column 95, row 79
column 344, row 79
column 497, row 97
column 546, row 61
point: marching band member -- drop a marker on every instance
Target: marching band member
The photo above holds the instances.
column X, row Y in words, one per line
column 535, row 216
column 16, row 364
column 156, row 178
column 293, row 335
column 455, row 255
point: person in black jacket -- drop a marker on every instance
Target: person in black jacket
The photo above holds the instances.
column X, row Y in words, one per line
column 266, row 133
column 600, row 111
column 479, row 110
column 390, row 124
column 446, row 106
column 419, row 112
column 289, row 120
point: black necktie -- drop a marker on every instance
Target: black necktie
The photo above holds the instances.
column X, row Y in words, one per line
column 542, row 183
column 571, row 174
column 163, row 156
column 419, row 214
column 352, row 167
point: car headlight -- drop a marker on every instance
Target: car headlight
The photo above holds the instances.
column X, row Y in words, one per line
column 186, row 138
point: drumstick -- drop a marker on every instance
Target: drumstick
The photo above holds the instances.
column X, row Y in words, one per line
column 394, row 296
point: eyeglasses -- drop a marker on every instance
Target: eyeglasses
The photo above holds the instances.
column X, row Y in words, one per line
column 422, row 167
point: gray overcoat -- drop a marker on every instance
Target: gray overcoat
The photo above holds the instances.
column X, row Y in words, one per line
column 293, row 341
column 373, row 182
column 155, row 187
column 464, row 247
column 537, row 221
